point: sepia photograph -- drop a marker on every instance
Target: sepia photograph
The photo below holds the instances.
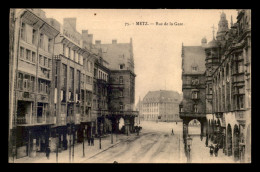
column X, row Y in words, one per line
column 127, row 86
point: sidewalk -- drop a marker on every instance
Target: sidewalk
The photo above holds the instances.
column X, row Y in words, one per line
column 200, row 153
column 63, row 157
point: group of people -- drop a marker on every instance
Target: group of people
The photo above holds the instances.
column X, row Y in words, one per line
column 91, row 141
column 214, row 150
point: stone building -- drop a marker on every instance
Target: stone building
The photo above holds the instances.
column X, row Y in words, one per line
column 100, row 95
column 193, row 86
column 121, row 89
column 61, row 85
column 30, row 101
column 231, row 85
column 73, row 68
column 162, row 105
column 226, row 86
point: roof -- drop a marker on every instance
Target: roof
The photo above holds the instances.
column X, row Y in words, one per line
column 162, row 96
column 116, row 54
column 193, row 56
column 213, row 43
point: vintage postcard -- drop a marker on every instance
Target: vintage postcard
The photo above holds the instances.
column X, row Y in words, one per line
column 129, row 86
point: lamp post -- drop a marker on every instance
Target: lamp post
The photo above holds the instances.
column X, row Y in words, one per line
column 57, row 150
column 84, row 141
column 189, row 143
column 100, row 133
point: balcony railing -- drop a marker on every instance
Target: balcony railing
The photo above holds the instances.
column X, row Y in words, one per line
column 125, row 113
column 36, row 120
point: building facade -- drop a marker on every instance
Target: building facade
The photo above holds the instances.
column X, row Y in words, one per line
column 60, row 85
column 193, row 86
column 162, row 105
column 227, row 86
column 231, row 107
column 30, row 117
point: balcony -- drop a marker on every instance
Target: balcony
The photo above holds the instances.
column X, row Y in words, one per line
column 125, row 113
column 191, row 114
column 240, row 116
column 27, row 121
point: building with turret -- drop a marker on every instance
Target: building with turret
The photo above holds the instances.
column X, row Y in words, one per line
column 226, row 78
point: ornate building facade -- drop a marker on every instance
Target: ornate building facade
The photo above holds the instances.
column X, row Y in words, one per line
column 227, row 86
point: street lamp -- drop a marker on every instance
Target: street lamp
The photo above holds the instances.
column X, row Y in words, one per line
column 189, row 143
column 100, row 132
column 84, row 141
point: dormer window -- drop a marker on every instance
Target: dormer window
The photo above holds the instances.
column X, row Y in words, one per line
column 121, row 66
column 194, row 68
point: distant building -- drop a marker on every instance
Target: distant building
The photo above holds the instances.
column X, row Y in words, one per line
column 160, row 105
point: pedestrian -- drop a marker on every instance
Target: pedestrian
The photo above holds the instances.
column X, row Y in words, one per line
column 172, row 132
column 88, row 141
column 211, row 150
column 216, row 150
column 207, row 141
column 48, row 152
column 92, row 141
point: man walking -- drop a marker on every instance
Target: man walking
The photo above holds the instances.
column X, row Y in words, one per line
column 48, row 152
column 216, row 150
column 211, row 150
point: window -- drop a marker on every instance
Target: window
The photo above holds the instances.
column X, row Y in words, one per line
column 34, row 37
column 74, row 55
column 28, row 55
column 49, row 44
column 194, row 95
column 241, row 102
column 21, row 52
column 64, row 49
column 194, row 68
column 26, row 82
column 33, row 57
column 195, row 108
column 121, row 106
column 32, row 83
column 69, row 52
column 41, row 41
column 40, row 59
column 23, row 31
column 49, row 63
column 45, row 61
column 240, row 67
column 20, row 81
column 121, row 66
column 121, row 93
column 121, row 81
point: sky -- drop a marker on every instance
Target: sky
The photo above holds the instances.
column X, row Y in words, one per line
column 156, row 48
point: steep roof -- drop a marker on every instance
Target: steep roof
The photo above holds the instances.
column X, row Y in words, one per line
column 116, row 54
column 162, row 96
column 193, row 56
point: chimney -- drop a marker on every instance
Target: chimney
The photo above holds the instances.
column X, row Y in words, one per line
column 69, row 23
column 39, row 12
column 54, row 23
column 114, row 41
column 98, row 42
